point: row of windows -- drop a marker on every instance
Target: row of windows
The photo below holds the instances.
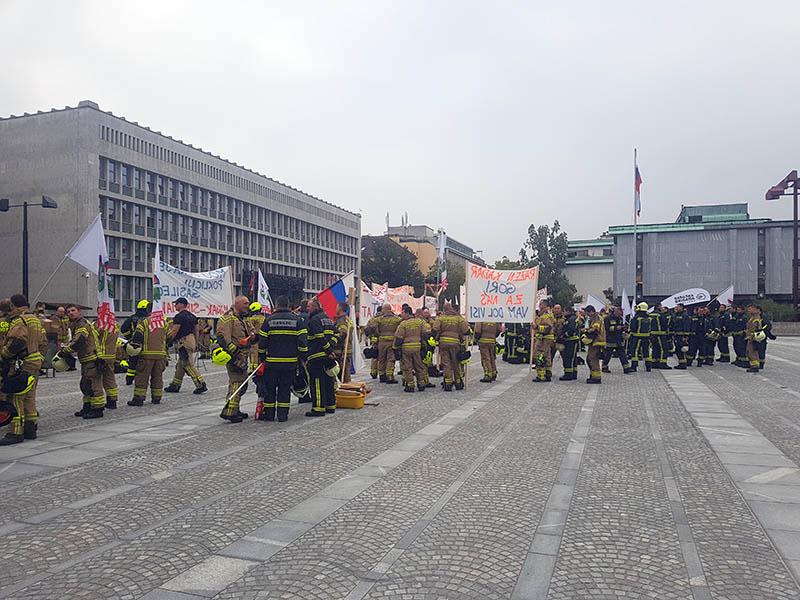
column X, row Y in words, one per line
column 136, row 144
column 186, row 197
column 134, row 255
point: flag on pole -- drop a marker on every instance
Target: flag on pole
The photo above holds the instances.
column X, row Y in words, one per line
column 637, row 186
column 442, row 245
column 263, row 294
column 91, row 252
column 157, row 310
column 627, row 309
column 444, row 281
column 725, row 297
column 336, row 293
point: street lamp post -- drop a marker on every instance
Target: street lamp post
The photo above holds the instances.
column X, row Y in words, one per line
column 46, row 202
column 773, row 193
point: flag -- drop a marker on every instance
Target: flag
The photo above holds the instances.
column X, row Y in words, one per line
column 263, row 294
column 442, row 245
column 725, row 297
column 336, row 293
column 91, row 252
column 157, row 310
column 444, row 281
column 637, row 186
column 627, row 309
column 540, row 295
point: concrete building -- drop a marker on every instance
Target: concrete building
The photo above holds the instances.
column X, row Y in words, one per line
column 207, row 211
column 710, row 247
column 590, row 266
column 423, row 242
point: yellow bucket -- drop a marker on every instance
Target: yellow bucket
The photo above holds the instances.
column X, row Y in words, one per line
column 349, row 400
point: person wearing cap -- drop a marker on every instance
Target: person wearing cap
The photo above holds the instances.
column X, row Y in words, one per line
column 128, row 329
column 184, row 332
column 256, row 319
column 24, row 341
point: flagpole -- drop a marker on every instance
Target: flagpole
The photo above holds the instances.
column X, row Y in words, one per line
column 47, row 281
column 635, row 231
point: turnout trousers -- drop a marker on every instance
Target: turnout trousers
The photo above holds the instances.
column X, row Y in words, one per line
column 237, row 374
column 186, row 362
column 593, row 362
column 386, row 358
column 612, row 350
column 569, row 356
column 277, row 389
column 740, row 348
column 323, row 392
column 25, row 404
column 488, row 360
column 543, row 358
column 91, row 386
column 109, row 380
column 638, row 349
column 448, row 353
column 413, row 368
column 149, row 371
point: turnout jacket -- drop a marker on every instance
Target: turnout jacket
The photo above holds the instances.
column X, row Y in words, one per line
column 544, row 326
column 233, row 335
column 106, row 342
column 154, row 343
column 681, row 325
column 410, row 332
column 570, row 331
column 450, row 329
column 640, row 325
column 25, row 340
column 383, row 327
column 486, row 333
column 754, row 325
column 84, row 342
column 320, row 335
column 596, row 331
column 615, row 327
column 282, row 339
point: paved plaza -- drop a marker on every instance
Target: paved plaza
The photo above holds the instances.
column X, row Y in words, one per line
column 668, row 485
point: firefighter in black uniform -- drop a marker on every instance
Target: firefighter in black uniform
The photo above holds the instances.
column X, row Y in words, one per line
column 511, row 340
column 127, row 330
column 681, row 330
column 696, row 343
column 659, row 334
column 724, row 322
column 766, row 327
column 321, row 364
column 282, row 343
column 615, row 344
column 301, row 377
column 737, row 325
column 569, row 337
column 639, row 340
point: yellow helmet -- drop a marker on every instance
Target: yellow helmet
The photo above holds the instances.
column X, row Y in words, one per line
column 62, row 363
column 133, row 349
column 642, row 306
column 759, row 336
column 143, row 304
column 220, row 357
column 255, row 307
column 333, row 370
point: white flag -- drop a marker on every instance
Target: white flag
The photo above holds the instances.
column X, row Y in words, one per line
column 263, row 293
column 726, row 297
column 442, row 245
column 598, row 304
column 627, row 310
column 90, row 250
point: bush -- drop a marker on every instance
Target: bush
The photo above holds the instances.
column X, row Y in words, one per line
column 777, row 311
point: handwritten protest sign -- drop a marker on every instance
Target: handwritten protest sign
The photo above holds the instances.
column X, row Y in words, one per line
column 496, row 296
column 210, row 293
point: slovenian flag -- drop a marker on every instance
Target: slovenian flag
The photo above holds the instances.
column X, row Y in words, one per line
column 336, row 293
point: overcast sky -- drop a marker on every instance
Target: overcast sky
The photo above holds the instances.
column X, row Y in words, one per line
column 479, row 117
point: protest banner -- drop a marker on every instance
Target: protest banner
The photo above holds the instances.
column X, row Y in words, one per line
column 210, row 293
column 687, row 297
column 497, row 296
column 369, row 304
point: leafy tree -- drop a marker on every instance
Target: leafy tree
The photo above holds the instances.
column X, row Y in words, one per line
column 546, row 247
column 505, row 264
column 383, row 260
column 455, row 279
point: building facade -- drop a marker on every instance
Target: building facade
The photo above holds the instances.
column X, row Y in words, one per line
column 423, row 242
column 710, row 247
column 590, row 266
column 205, row 211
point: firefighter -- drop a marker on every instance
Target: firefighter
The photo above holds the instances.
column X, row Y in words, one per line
column 724, row 322
column 594, row 337
column 738, row 323
column 486, row 334
column 639, row 338
column 659, row 338
column 343, row 337
column 766, row 327
column 713, row 333
column 235, row 336
column 385, row 326
column 183, row 332
column 559, row 319
column 128, row 329
column 282, row 343
column 510, row 342
column 320, row 361
column 544, row 334
column 569, row 337
column 681, row 329
column 451, row 330
column 615, row 345
column 22, row 353
column 204, row 338
column 256, row 319
column 84, row 344
column 407, row 343
column 149, row 346
column 107, row 355
column 371, row 332
column 301, row 377
column 702, row 327
column 754, row 334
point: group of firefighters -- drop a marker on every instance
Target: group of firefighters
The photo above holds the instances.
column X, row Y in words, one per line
column 305, row 352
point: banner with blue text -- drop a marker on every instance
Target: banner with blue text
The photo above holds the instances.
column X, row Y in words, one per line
column 496, row 296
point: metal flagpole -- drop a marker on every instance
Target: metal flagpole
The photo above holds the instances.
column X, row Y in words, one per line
column 635, row 231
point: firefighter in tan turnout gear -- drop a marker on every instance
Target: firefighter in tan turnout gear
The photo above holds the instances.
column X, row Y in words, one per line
column 84, row 344
column 235, row 337
column 594, row 336
column 22, row 353
column 544, row 335
column 486, row 334
column 451, row 331
column 149, row 346
column 407, row 342
column 384, row 327
column 107, row 354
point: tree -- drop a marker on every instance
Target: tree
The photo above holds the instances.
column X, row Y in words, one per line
column 455, row 279
column 505, row 264
column 383, row 260
column 546, row 247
